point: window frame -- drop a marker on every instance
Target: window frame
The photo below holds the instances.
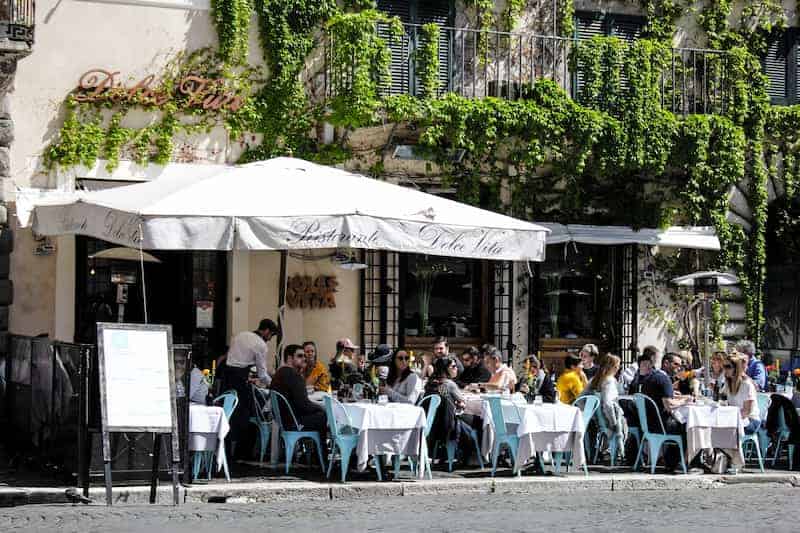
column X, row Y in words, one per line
column 789, row 38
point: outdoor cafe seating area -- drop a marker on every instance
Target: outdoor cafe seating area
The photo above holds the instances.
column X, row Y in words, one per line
column 500, row 431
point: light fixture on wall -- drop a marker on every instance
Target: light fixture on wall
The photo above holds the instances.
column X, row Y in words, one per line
column 348, row 261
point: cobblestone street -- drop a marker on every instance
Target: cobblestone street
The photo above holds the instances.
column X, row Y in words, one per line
column 740, row 508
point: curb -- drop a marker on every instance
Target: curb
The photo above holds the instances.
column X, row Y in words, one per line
column 271, row 491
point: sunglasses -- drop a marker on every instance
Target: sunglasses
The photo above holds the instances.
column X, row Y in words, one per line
column 403, row 358
column 730, row 367
column 453, row 365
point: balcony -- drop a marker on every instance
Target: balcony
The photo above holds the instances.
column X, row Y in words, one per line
column 17, row 19
column 477, row 64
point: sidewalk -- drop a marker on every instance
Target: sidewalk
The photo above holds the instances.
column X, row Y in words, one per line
column 249, row 491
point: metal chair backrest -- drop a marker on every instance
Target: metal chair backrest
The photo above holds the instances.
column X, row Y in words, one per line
column 602, row 423
column 641, row 401
column 261, row 402
column 783, row 427
column 430, row 413
column 763, row 404
column 590, row 404
column 496, row 408
column 332, row 404
column 230, row 399
column 276, row 398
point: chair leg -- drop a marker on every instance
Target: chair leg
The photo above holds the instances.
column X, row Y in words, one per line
column 683, row 460
column 760, row 459
column 638, row 456
column 196, row 465
column 557, row 457
column 330, row 461
column 495, row 454
column 344, row 464
column 612, row 449
column 791, row 456
column 290, row 444
column 655, row 449
column 225, row 466
column 321, row 456
column 376, row 461
column 777, row 452
column 451, row 454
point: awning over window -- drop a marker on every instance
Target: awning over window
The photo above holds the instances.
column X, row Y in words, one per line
column 696, row 237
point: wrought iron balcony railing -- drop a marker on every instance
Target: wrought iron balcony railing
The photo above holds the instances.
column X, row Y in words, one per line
column 17, row 19
column 477, row 63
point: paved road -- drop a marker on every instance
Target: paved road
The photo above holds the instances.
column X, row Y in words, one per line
column 741, row 508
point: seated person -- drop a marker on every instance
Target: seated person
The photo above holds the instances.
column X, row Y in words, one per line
column 402, row 385
column 536, row 382
column 572, row 381
column 474, row 369
column 342, row 364
column 589, row 355
column 316, row 373
column 741, row 392
column 502, row 376
column 198, row 386
column 289, row 381
column 658, row 387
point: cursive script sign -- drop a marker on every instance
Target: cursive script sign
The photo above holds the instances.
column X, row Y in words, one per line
column 98, row 85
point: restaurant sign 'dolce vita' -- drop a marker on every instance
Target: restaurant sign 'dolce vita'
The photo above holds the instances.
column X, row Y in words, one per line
column 98, row 85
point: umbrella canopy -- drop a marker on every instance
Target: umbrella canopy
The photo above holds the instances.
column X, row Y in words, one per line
column 125, row 254
column 287, row 204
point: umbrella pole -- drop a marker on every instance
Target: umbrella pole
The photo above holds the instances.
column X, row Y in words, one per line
column 281, row 304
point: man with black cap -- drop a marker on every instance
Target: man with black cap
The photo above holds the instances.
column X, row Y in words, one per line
column 248, row 348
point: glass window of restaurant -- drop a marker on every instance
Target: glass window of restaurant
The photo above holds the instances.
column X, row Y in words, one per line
column 577, row 300
column 186, row 289
column 444, row 296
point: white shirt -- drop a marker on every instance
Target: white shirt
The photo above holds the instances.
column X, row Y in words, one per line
column 747, row 391
column 248, row 349
column 198, row 388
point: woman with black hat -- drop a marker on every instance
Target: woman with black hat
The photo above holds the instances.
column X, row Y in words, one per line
column 402, row 385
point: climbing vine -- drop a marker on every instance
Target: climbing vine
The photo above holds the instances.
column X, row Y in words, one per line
column 613, row 155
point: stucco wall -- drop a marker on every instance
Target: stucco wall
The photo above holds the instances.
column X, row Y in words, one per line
column 323, row 326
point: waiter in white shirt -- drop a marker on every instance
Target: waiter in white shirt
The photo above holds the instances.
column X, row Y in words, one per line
column 248, row 349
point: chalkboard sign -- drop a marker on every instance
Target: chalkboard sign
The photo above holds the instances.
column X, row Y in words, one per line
column 137, row 389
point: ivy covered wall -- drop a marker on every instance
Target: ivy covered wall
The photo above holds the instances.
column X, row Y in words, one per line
column 617, row 158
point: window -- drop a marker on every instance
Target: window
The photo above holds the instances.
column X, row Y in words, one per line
column 414, row 14
column 443, row 296
column 591, row 24
column 780, row 66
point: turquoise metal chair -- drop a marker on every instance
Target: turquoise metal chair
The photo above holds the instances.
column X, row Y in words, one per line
column 344, row 439
column 613, row 439
column 261, row 420
column 501, row 435
column 655, row 441
column 764, row 402
column 229, row 400
column 292, row 437
column 753, row 440
column 590, row 405
column 782, row 436
column 433, row 401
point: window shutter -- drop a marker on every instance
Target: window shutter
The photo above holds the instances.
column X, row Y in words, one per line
column 776, row 67
column 626, row 28
column 589, row 24
column 439, row 12
column 400, row 48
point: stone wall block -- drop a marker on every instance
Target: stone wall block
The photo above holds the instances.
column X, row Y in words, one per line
column 6, row 131
column 5, row 162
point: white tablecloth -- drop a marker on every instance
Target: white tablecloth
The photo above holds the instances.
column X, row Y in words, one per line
column 390, row 429
column 208, row 427
column 712, row 426
column 541, row 428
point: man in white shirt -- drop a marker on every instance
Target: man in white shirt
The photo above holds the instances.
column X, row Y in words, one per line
column 248, row 349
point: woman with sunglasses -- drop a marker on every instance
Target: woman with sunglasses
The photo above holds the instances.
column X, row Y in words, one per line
column 402, row 385
column 741, row 392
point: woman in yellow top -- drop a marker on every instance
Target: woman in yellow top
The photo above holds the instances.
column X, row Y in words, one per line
column 316, row 373
column 572, row 380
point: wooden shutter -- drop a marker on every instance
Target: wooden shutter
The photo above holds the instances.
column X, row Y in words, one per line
column 439, row 11
column 626, row 28
column 400, row 48
column 776, row 66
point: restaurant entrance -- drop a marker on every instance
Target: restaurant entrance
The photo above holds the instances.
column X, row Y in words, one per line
column 186, row 289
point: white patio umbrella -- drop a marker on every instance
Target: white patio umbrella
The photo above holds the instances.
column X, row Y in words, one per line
column 287, row 204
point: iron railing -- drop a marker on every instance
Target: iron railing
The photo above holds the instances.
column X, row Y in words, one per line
column 480, row 63
column 17, row 20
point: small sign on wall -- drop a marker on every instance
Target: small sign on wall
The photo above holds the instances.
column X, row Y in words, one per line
column 305, row 292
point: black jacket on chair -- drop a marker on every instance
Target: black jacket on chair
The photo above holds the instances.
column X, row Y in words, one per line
column 780, row 402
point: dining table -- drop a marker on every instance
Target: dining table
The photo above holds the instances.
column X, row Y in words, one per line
column 709, row 426
column 208, row 427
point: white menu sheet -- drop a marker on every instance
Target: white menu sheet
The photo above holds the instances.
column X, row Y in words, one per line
column 137, row 379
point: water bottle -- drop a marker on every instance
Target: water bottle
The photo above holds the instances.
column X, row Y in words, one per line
column 788, row 389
